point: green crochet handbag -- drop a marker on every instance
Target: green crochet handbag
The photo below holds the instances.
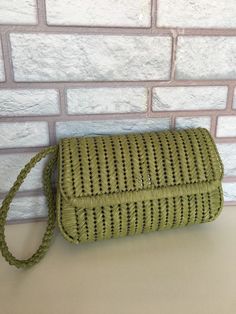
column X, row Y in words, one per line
column 117, row 185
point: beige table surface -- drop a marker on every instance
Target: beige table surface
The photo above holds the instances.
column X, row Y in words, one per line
column 189, row 270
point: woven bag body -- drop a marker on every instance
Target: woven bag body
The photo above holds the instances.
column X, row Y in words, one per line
column 118, row 185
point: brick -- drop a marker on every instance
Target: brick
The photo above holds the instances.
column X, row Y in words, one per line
column 73, row 57
column 194, row 14
column 189, row 98
column 23, row 134
column 206, row 57
column 27, row 207
column 99, row 127
column 193, row 122
column 226, row 126
column 13, row 12
column 127, row 13
column 229, row 189
column 10, row 166
column 30, row 102
column 228, row 154
column 2, row 71
column 106, row 100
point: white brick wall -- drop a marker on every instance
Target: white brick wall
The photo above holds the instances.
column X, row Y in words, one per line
column 27, row 207
column 73, row 67
column 228, row 154
column 9, row 169
column 90, row 128
column 18, row 12
column 127, row 13
column 23, row 134
column 229, row 191
column 193, row 122
column 73, row 57
column 189, row 98
column 106, row 100
column 193, row 14
column 206, row 57
column 226, row 126
column 28, row 102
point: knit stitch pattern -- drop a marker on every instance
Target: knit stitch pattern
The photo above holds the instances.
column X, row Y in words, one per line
column 117, row 185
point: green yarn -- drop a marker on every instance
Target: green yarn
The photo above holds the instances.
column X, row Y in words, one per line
column 38, row 255
column 117, row 185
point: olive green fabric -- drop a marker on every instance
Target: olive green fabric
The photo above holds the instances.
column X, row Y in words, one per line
column 47, row 174
column 117, row 185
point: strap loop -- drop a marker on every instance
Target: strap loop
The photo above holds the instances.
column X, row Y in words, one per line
column 47, row 174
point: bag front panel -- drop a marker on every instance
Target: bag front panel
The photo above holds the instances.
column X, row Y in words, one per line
column 93, row 170
column 79, row 225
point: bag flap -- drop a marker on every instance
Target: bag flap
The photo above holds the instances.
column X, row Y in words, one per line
column 111, row 169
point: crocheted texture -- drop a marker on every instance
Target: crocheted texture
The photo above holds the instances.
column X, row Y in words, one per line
column 38, row 255
column 118, row 185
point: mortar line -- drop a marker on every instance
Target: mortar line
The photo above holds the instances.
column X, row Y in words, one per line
column 153, row 14
column 149, row 101
column 119, row 30
column 2, row 57
column 81, row 30
column 173, row 55
column 113, row 84
column 25, row 193
column 172, row 122
column 213, row 125
column 88, row 84
column 115, row 116
column 41, row 13
column 52, row 133
column 21, row 150
column 79, row 117
column 6, row 59
column 229, row 179
column 26, row 220
column 190, row 113
column 230, row 97
column 225, row 140
column 157, row 11
column 63, row 101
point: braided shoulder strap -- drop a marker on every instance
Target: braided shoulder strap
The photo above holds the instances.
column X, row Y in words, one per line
column 47, row 174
